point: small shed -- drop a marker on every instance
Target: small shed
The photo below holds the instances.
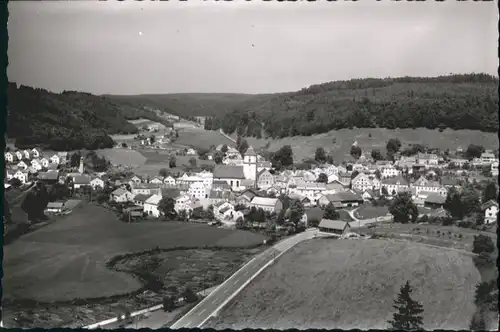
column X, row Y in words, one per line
column 336, row 227
column 54, row 207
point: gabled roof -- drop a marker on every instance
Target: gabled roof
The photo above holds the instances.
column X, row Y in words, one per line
column 333, row 224
column 48, row 175
column 170, row 192
column 81, row 179
column 449, row 181
column 229, row 172
column 153, row 200
column 250, row 152
column 141, row 197
column 220, row 184
column 344, row 196
column 119, row 192
column 489, row 204
column 55, row 205
column 402, row 181
column 265, row 201
column 435, row 199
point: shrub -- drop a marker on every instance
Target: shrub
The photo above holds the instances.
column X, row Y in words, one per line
column 482, row 244
column 168, row 303
column 460, row 236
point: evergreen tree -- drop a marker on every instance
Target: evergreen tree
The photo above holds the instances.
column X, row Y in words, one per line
column 330, row 212
column 409, row 312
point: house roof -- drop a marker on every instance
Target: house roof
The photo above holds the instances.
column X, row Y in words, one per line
column 55, row 205
column 170, row 192
column 141, row 197
column 266, row 201
column 315, row 213
column 435, row 199
column 48, row 175
column 333, row 224
column 344, row 196
column 153, row 200
column 249, row 194
column 81, row 179
column 489, row 204
column 229, row 172
column 119, row 192
column 220, row 184
column 449, row 181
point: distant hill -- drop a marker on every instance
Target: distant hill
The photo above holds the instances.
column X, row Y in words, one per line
column 454, row 101
column 193, row 104
column 69, row 120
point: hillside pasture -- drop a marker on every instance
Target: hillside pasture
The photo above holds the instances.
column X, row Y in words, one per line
column 201, row 138
column 119, row 156
column 66, row 260
column 156, row 160
column 367, row 211
column 351, row 284
column 375, row 138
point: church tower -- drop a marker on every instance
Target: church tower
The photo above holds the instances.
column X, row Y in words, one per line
column 250, row 164
column 80, row 169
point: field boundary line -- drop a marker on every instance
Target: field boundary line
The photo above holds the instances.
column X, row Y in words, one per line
column 232, row 296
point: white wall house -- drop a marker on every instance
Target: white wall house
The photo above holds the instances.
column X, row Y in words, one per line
column 22, row 165
column 198, row 190
column 9, row 157
column 151, row 206
column 169, row 180
column 364, row 182
column 490, row 210
column 35, row 153
column 55, row 159
column 36, row 164
column 182, row 202
column 21, row 176
column 121, row 195
column 96, row 183
column 389, row 172
column 232, row 175
column 45, row 162
column 394, row 185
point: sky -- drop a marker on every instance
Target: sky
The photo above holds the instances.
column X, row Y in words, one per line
column 242, row 47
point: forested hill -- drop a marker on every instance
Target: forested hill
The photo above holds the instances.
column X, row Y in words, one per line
column 455, row 101
column 67, row 121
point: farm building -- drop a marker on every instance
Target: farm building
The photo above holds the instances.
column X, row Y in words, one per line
column 54, row 207
column 341, row 199
column 434, row 200
column 267, row 204
column 336, row 227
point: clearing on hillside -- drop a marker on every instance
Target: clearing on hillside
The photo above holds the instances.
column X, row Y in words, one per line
column 375, row 138
column 201, row 138
column 119, row 156
column 66, row 260
column 351, row 284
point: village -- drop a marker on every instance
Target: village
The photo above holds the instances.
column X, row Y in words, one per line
column 244, row 191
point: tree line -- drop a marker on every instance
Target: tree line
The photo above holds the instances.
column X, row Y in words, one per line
column 455, row 101
column 67, row 121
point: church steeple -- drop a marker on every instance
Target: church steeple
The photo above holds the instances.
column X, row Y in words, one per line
column 80, row 169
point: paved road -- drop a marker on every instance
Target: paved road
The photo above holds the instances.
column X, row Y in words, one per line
column 219, row 297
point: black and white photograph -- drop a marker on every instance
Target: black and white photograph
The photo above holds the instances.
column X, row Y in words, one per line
column 251, row 164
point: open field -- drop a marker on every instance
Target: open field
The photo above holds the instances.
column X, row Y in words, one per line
column 156, row 160
column 66, row 260
column 305, row 146
column 351, row 284
column 368, row 211
column 70, row 254
column 201, row 138
column 123, row 156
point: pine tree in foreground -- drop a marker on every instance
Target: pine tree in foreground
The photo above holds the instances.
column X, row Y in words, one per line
column 409, row 312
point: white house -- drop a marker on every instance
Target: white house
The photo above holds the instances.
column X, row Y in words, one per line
column 55, row 159
column 21, row 176
column 265, row 179
column 19, row 155
column 26, row 154
column 394, row 185
column 494, row 168
column 9, row 157
column 428, row 159
column 267, row 204
column 151, row 205
column 35, row 153
column 156, row 180
column 80, row 181
column 221, row 208
column 44, row 162
column 182, row 202
column 169, row 180
column 422, row 184
column 198, row 190
column 490, row 209
column 487, row 157
column 364, row 182
column 389, row 171
column 206, row 177
column 306, row 189
column 121, row 195
column 36, row 164
column 136, row 179
column 96, row 183
column 22, row 165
